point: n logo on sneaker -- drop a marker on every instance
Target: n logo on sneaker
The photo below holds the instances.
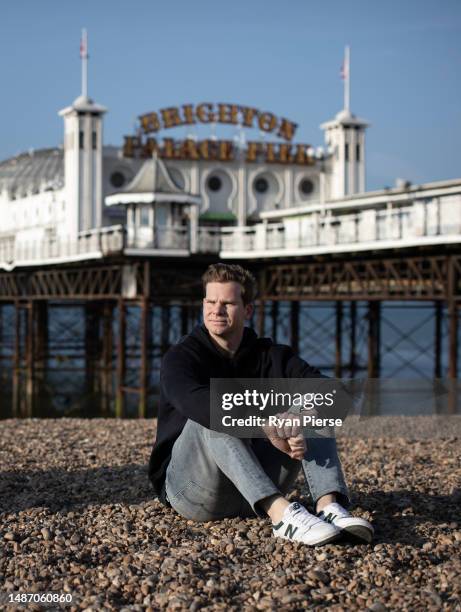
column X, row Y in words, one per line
column 330, row 517
column 290, row 531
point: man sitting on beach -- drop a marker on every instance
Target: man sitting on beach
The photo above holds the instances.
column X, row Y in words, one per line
column 207, row 477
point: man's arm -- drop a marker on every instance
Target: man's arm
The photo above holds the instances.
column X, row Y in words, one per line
column 183, row 388
column 289, row 439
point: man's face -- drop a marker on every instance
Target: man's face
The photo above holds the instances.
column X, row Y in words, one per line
column 224, row 313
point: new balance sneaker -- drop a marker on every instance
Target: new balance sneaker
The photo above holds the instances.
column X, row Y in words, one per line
column 298, row 525
column 338, row 516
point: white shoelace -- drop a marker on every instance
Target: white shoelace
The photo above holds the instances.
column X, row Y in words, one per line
column 335, row 509
column 306, row 519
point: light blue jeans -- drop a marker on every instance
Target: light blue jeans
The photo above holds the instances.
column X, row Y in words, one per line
column 213, row 476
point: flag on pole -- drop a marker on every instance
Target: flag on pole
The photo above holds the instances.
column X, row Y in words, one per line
column 344, row 71
column 84, row 45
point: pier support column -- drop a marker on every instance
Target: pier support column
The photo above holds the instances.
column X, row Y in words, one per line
column 144, row 369
column 453, row 341
column 106, row 357
column 294, row 326
column 438, row 340
column 374, row 339
column 3, row 369
column 338, row 339
column 92, row 345
column 353, row 339
column 121, row 360
column 30, row 357
column 2, row 340
column 452, row 337
column 165, row 329
column 439, row 388
column 41, row 348
column 260, row 324
column 374, row 348
column 261, row 309
column 274, row 319
column 452, row 356
column 16, row 392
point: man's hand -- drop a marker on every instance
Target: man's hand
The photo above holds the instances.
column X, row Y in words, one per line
column 297, row 447
column 287, row 436
column 289, row 425
column 280, row 443
column 293, row 447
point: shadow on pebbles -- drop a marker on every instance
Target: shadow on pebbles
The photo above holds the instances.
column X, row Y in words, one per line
column 78, row 517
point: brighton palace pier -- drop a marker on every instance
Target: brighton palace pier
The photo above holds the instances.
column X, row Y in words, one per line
column 102, row 249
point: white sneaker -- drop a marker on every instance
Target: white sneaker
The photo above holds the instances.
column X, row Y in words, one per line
column 298, row 525
column 338, row 516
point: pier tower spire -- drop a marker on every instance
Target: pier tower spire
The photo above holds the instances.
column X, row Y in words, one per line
column 83, row 134
column 346, row 75
column 84, row 58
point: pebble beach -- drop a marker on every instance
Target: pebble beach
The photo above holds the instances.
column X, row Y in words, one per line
column 78, row 516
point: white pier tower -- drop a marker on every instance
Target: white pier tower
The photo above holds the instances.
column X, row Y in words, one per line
column 83, row 135
column 345, row 139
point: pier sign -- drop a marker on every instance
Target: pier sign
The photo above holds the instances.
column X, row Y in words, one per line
column 144, row 145
column 207, row 112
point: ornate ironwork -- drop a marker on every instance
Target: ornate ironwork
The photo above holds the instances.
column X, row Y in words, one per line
column 402, row 278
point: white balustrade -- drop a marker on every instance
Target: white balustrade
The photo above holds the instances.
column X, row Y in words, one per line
column 400, row 223
column 209, row 240
column 403, row 224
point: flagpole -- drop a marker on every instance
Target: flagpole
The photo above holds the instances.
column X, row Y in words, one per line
column 84, row 57
column 347, row 79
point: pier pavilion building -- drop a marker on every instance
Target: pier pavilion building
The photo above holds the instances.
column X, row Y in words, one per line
column 234, row 197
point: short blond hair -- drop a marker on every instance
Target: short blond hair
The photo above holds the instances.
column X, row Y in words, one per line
column 226, row 273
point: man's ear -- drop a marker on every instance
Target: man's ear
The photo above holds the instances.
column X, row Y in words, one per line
column 249, row 309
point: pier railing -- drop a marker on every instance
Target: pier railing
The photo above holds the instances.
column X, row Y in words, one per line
column 209, row 240
column 358, row 226
column 102, row 242
column 166, row 237
column 92, row 244
column 393, row 224
column 161, row 238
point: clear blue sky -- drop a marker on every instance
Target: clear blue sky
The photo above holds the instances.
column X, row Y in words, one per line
column 278, row 56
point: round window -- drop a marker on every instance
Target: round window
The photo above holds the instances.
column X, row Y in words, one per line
column 214, row 183
column 261, row 185
column 306, row 187
column 117, row 179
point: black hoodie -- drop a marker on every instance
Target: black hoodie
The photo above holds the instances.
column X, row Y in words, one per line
column 185, row 383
